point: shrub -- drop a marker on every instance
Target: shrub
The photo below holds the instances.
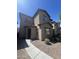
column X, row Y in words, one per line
column 47, row 41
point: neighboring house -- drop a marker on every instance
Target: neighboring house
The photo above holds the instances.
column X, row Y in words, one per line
column 37, row 27
column 56, row 31
column 56, row 27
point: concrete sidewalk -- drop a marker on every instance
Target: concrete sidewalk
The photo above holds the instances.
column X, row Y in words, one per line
column 35, row 53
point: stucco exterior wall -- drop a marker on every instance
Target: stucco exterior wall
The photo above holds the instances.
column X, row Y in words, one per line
column 36, row 22
column 25, row 22
column 34, row 33
column 41, row 19
column 38, row 25
column 44, row 33
column 44, row 18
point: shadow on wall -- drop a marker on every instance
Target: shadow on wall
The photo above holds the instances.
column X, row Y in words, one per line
column 21, row 43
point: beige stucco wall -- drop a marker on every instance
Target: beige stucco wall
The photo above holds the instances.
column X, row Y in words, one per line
column 41, row 29
column 45, row 24
column 36, row 22
column 42, row 16
column 25, row 21
column 44, row 34
column 37, row 32
column 22, row 17
column 34, row 33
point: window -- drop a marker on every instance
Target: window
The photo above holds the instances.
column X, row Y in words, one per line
column 44, row 18
column 47, row 31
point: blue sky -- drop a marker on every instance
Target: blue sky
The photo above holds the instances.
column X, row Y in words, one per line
column 29, row 7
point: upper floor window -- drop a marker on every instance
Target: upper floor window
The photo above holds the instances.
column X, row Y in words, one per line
column 44, row 18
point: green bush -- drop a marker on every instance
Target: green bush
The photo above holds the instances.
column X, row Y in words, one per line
column 47, row 41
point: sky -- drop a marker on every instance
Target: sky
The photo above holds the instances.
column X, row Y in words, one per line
column 29, row 7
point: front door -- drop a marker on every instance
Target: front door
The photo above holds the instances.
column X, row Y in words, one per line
column 29, row 33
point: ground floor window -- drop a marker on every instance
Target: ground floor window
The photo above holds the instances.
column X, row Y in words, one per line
column 47, row 31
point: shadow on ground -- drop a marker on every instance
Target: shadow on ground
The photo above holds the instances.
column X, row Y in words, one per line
column 21, row 43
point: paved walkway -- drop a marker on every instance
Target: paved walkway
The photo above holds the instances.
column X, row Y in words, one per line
column 53, row 50
column 35, row 53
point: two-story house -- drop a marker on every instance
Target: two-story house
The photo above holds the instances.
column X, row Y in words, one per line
column 37, row 27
